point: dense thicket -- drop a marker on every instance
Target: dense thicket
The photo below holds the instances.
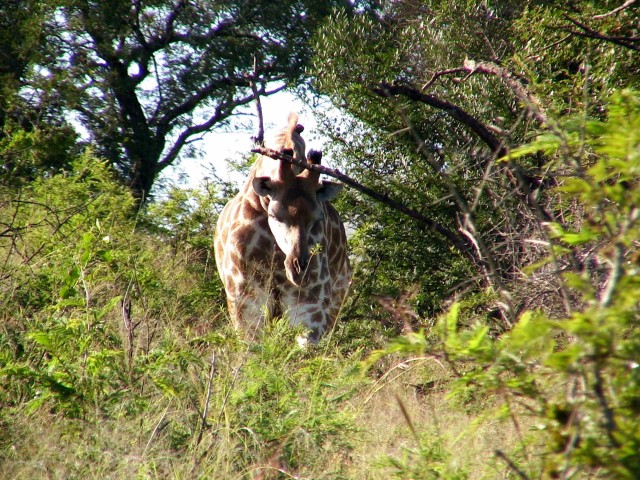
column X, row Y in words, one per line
column 436, row 93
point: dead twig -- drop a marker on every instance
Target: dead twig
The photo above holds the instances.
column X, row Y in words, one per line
column 626, row 4
column 442, row 73
column 259, row 138
column 632, row 43
column 456, row 112
column 207, row 400
column 610, row 424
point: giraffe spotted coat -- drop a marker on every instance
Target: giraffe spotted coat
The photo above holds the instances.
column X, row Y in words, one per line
column 280, row 246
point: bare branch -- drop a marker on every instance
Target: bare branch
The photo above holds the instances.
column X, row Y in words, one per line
column 259, row 138
column 535, row 56
column 511, row 465
column 496, row 146
column 207, row 400
column 626, row 4
column 522, row 179
column 516, row 86
column 442, row 73
column 222, row 111
column 458, row 242
column 608, row 413
column 632, row 43
column 488, row 68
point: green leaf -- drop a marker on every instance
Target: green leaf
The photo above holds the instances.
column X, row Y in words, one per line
column 110, row 305
column 563, row 359
column 67, row 292
column 572, row 238
column 546, row 143
column 479, row 340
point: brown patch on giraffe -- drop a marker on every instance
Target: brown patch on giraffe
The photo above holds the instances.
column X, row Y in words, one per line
column 311, row 272
column 280, row 277
column 247, row 211
column 265, row 243
column 242, row 237
column 262, row 223
column 235, row 271
column 314, row 334
column 318, row 318
column 219, row 249
column 229, row 284
column 326, row 302
column 315, row 291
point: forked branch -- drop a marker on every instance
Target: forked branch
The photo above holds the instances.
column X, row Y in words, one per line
column 459, row 242
column 632, row 43
column 477, row 127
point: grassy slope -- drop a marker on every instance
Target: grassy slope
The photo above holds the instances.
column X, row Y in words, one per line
column 285, row 414
column 117, row 359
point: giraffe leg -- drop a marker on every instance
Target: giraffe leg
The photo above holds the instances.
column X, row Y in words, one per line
column 308, row 308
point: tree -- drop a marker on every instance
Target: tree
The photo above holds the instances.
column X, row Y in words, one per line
column 12, row 65
column 35, row 138
column 437, row 92
column 149, row 77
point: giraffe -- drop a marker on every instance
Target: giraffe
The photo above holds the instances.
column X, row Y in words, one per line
column 280, row 246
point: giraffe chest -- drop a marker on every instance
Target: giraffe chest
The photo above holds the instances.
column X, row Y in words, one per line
column 259, row 256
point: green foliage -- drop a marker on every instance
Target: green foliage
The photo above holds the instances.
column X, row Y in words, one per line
column 31, row 146
column 430, row 460
column 512, row 67
column 108, row 322
column 113, row 338
column 75, row 359
column 570, row 71
column 576, row 378
column 289, row 403
column 416, row 154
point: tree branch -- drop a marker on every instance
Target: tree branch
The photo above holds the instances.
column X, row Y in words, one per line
column 442, row 73
column 259, row 138
column 632, row 43
column 457, row 241
column 511, row 465
column 164, row 122
column 496, row 146
column 626, row 4
column 522, row 179
column 222, row 111
column 608, row 413
column 516, row 86
column 488, row 68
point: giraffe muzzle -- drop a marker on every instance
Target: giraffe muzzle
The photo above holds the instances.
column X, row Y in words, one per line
column 296, row 269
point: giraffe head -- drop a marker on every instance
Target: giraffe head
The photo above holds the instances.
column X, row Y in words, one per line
column 293, row 203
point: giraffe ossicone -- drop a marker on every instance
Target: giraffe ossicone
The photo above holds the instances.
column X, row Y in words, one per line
column 280, row 246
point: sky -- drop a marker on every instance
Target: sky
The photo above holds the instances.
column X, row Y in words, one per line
column 235, row 141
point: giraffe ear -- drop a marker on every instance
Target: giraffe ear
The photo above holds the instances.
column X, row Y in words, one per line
column 263, row 186
column 328, row 191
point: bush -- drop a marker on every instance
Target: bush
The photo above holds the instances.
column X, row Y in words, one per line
column 574, row 381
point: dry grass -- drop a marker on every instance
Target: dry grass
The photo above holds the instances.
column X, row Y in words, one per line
column 409, row 406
